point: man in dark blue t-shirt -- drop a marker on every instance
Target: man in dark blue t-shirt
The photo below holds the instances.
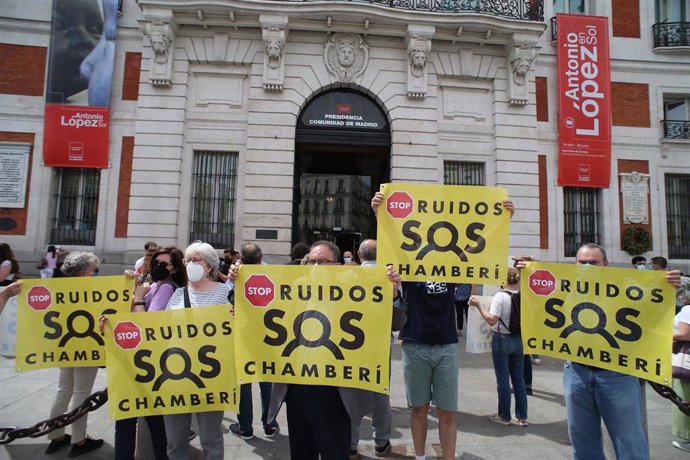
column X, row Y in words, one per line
column 430, row 356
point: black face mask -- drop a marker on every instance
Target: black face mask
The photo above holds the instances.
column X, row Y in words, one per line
column 160, row 272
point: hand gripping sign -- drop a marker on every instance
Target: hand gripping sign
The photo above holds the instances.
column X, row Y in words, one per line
column 57, row 320
column 320, row 325
column 445, row 233
column 612, row 318
column 171, row 362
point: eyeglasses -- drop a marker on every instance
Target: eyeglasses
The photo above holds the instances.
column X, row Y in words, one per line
column 196, row 260
column 320, row 262
column 156, row 262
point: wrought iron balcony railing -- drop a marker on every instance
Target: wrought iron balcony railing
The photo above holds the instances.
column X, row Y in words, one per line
column 676, row 129
column 554, row 34
column 671, row 34
column 530, row 10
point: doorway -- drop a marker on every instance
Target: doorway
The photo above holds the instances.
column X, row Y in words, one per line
column 342, row 156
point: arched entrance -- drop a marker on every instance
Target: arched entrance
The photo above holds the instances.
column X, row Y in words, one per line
column 342, row 156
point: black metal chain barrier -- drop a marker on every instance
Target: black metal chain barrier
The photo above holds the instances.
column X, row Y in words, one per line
column 668, row 393
column 93, row 402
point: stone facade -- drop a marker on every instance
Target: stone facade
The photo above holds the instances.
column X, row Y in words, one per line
column 236, row 77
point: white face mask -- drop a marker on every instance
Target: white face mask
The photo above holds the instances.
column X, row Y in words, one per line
column 194, row 272
column 347, row 259
column 642, row 267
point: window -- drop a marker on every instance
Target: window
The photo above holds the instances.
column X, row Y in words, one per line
column 76, row 206
column 582, row 214
column 316, row 207
column 341, row 185
column 338, row 221
column 325, row 207
column 463, row 173
column 569, row 6
column 326, row 187
column 676, row 118
column 678, row 215
column 339, row 205
column 672, row 10
column 316, row 186
column 306, row 207
column 213, row 198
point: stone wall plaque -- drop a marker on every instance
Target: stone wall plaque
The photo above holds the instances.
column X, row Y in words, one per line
column 14, row 164
column 635, row 191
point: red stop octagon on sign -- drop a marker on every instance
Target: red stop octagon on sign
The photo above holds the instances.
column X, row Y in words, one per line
column 39, row 298
column 127, row 335
column 399, row 205
column 542, row 282
column 259, row 290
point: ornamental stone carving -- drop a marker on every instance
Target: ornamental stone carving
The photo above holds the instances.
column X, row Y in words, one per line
column 418, row 48
column 520, row 58
column 274, row 34
column 346, row 56
column 161, row 36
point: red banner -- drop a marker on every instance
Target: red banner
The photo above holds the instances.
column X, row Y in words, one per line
column 584, row 101
column 76, row 136
column 80, row 71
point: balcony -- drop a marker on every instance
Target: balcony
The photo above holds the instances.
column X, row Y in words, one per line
column 676, row 129
column 671, row 35
column 529, row 10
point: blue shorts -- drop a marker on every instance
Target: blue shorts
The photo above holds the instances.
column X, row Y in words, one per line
column 431, row 375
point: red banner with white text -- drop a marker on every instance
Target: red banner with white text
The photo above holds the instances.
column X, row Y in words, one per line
column 584, row 101
column 80, row 71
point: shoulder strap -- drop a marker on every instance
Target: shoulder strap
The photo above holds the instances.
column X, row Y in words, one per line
column 187, row 303
column 510, row 295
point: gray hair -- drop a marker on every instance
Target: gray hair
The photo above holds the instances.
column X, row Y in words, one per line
column 367, row 250
column 79, row 262
column 206, row 252
column 335, row 250
column 683, row 293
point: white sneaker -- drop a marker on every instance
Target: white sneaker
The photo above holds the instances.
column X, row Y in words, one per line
column 682, row 445
column 535, row 359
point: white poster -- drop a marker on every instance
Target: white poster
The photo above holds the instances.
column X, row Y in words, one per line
column 8, row 328
column 478, row 331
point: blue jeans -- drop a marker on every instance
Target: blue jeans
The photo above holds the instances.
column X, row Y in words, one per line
column 506, row 351
column 592, row 394
column 246, row 414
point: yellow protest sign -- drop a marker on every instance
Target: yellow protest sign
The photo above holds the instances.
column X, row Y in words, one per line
column 57, row 319
column 448, row 233
column 613, row 318
column 320, row 325
column 171, row 362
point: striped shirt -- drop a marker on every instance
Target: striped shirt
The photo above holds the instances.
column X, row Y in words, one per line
column 216, row 296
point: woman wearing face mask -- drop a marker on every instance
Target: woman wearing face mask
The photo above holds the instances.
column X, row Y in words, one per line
column 167, row 274
column 201, row 261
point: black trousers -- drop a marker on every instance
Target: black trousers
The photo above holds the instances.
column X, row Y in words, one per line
column 318, row 423
column 461, row 311
column 126, row 437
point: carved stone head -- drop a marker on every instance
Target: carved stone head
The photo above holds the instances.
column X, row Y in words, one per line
column 346, row 56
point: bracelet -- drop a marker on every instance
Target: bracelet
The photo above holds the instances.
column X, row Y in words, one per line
column 139, row 303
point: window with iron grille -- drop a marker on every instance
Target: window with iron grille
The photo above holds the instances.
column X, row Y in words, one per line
column 76, row 206
column 463, row 173
column 678, row 215
column 581, row 215
column 213, row 198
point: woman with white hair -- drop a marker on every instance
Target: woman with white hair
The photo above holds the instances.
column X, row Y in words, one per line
column 201, row 261
column 681, row 333
column 74, row 383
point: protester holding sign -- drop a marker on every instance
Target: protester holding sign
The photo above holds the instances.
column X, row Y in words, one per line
column 506, row 351
column 251, row 254
column 168, row 273
column 319, row 415
column 681, row 333
column 202, row 266
column 430, row 351
column 593, row 393
column 74, row 383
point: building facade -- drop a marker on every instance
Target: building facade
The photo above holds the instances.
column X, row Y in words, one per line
column 228, row 119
